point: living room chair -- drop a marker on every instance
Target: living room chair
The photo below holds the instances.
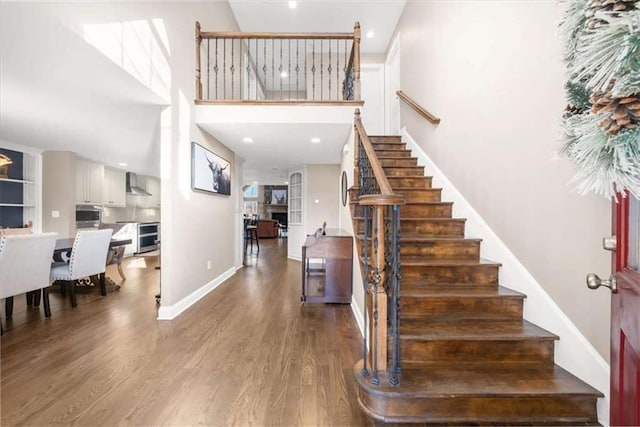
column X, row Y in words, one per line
column 25, row 265
column 88, row 258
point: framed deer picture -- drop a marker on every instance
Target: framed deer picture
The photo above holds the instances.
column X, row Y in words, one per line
column 209, row 172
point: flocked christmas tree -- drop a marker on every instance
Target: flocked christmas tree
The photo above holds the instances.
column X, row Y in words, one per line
column 602, row 120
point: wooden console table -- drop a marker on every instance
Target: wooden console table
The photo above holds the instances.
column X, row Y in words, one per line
column 327, row 267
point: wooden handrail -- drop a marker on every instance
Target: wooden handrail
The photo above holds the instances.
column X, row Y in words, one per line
column 276, row 36
column 381, row 178
column 424, row 113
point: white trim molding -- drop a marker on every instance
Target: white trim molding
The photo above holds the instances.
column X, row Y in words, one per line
column 358, row 315
column 573, row 351
column 173, row 311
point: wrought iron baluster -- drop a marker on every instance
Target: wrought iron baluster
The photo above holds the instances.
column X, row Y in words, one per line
column 233, row 66
column 280, row 70
column 297, row 70
column 256, row 70
column 208, row 67
column 375, row 279
column 396, row 276
column 329, row 70
column 321, row 70
column 264, row 68
column 313, row 69
column 216, row 69
column 224, row 69
column 248, row 69
column 337, row 70
column 344, row 71
column 273, row 66
column 289, row 69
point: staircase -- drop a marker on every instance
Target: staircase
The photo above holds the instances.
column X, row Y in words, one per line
column 466, row 353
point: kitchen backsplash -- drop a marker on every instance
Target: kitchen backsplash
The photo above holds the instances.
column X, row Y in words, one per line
column 130, row 213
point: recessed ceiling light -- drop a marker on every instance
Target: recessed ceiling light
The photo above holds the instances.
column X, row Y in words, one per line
column 255, row 182
column 293, row 4
column 284, row 74
column 122, row 164
column 247, row 139
column 315, row 140
column 370, row 34
column 286, row 183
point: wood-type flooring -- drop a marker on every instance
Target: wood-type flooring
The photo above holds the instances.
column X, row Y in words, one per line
column 248, row 353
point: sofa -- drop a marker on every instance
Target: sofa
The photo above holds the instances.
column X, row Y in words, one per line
column 268, row 228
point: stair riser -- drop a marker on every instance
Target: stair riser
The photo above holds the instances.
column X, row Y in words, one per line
column 408, row 171
column 389, row 146
column 460, row 351
column 462, row 249
column 421, row 195
column 425, row 228
column 480, row 274
column 385, row 138
column 416, row 211
column 411, row 161
column 431, row 308
column 504, row 410
column 415, row 182
column 394, row 153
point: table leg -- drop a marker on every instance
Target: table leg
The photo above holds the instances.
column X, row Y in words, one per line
column 72, row 291
column 103, row 284
column 45, row 300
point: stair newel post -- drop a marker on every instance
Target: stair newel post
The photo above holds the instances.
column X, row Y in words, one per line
column 356, row 61
column 365, row 256
column 198, row 63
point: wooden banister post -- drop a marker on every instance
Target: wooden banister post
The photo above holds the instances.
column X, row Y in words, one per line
column 356, row 61
column 198, row 63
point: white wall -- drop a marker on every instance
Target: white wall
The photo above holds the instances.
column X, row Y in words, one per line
column 196, row 227
column 322, row 196
column 492, row 71
column 59, row 192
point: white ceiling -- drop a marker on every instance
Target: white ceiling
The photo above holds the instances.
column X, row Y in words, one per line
column 379, row 16
column 66, row 95
column 70, row 97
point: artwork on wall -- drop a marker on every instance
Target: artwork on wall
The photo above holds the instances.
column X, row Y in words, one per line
column 278, row 197
column 209, row 172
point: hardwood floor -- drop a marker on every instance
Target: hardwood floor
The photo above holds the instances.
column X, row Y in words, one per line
column 248, row 353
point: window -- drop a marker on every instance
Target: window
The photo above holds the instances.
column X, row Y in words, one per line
column 250, row 207
column 295, row 198
column 251, row 191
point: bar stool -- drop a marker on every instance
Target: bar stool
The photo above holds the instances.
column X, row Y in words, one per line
column 251, row 232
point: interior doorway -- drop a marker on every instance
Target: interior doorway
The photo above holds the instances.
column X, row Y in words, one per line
column 391, row 86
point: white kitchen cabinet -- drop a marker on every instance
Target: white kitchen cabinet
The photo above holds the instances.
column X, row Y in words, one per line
column 114, row 189
column 152, row 185
column 89, row 177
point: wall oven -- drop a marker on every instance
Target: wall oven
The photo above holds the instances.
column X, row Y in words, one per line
column 148, row 236
column 88, row 216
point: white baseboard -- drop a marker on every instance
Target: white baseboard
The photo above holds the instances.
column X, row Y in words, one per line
column 172, row 311
column 358, row 315
column 573, row 352
column 295, row 258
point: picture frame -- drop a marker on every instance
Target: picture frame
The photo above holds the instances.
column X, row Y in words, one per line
column 209, row 172
column 278, row 197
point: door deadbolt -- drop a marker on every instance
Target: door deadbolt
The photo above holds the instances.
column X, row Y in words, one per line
column 610, row 243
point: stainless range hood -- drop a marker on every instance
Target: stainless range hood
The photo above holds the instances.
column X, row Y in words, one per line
column 132, row 186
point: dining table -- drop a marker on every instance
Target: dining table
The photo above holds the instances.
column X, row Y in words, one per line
column 62, row 252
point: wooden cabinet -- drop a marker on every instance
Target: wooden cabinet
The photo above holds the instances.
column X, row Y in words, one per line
column 114, row 191
column 89, row 177
column 327, row 267
column 152, row 185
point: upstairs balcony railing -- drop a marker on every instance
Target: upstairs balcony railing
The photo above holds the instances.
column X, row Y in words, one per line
column 235, row 67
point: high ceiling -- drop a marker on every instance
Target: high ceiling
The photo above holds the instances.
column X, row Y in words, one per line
column 379, row 16
column 68, row 95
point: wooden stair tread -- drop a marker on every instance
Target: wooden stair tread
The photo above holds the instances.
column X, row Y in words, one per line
column 410, row 239
column 472, row 330
column 446, row 380
column 419, row 260
column 453, row 291
column 418, row 219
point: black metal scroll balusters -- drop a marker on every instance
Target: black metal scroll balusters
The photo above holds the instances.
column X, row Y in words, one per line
column 368, row 183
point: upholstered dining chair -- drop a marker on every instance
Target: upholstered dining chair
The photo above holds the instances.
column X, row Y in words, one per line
column 88, row 258
column 25, row 265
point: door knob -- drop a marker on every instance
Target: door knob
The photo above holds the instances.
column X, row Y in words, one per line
column 594, row 282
